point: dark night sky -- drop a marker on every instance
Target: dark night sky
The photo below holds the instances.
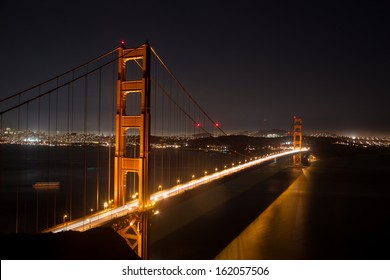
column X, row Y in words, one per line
column 250, row 64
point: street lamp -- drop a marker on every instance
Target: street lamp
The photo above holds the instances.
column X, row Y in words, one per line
column 111, row 206
column 63, row 220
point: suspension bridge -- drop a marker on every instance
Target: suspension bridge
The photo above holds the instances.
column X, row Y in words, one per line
column 104, row 142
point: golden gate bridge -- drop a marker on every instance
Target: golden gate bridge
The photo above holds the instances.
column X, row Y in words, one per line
column 105, row 141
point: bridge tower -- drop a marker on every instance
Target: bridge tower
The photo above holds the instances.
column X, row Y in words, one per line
column 297, row 140
column 137, row 234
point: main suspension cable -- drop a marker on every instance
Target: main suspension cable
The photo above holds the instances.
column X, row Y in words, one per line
column 62, row 85
column 58, row 76
column 185, row 90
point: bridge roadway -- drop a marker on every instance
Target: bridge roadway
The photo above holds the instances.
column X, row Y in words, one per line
column 104, row 216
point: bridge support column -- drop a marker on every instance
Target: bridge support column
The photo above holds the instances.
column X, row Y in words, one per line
column 137, row 164
column 297, row 141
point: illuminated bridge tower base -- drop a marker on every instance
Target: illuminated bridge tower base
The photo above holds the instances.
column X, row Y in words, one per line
column 137, row 232
column 297, row 141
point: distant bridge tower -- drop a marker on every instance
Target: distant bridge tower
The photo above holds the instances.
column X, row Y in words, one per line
column 137, row 233
column 297, row 141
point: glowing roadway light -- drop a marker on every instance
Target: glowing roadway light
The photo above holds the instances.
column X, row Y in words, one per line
column 98, row 218
column 208, row 178
column 107, row 214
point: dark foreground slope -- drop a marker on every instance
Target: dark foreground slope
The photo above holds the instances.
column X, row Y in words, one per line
column 95, row 244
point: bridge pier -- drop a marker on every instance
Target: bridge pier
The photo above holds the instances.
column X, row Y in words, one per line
column 132, row 228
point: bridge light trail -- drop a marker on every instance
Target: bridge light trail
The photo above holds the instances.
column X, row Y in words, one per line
column 108, row 214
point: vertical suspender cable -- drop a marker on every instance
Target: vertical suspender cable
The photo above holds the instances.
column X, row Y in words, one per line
column 56, row 151
column 17, row 186
column 48, row 160
column 39, row 139
column 154, row 113
column 28, row 150
column 176, row 133
column 71, row 167
column 112, row 116
column 68, row 150
column 85, row 142
column 99, row 136
column 162, row 137
column 84, row 148
column 169, row 137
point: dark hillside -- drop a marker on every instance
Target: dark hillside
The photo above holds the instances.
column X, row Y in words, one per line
column 95, row 244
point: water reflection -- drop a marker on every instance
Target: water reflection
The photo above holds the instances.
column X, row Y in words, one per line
column 337, row 209
column 278, row 232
